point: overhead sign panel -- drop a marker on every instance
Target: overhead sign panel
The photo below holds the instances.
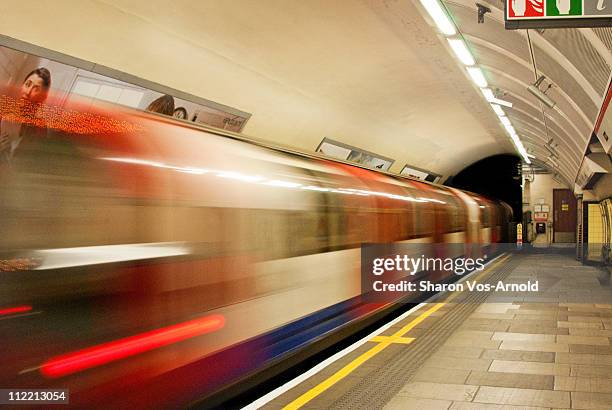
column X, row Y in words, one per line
column 558, row 13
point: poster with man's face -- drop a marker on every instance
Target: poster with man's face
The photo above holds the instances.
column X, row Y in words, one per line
column 67, row 84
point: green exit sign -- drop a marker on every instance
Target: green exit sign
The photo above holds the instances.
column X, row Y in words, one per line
column 558, row 13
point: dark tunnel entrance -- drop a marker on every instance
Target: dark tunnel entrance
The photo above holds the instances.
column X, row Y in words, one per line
column 498, row 177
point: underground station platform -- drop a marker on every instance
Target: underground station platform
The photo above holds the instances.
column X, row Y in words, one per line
column 548, row 349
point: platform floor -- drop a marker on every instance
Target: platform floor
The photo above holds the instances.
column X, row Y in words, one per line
column 520, row 350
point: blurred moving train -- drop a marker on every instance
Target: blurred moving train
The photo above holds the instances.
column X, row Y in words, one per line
column 149, row 262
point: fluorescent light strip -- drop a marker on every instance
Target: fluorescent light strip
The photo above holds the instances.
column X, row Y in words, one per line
column 461, row 51
column 439, row 16
column 498, row 110
column 515, row 139
column 501, row 102
column 477, row 76
column 488, row 94
column 446, row 26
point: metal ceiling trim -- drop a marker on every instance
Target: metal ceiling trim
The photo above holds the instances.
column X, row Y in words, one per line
column 523, row 86
column 597, row 44
column 557, row 56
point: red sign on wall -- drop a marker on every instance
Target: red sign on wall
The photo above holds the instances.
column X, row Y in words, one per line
column 526, row 8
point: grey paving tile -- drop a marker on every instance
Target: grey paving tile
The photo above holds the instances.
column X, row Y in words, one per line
column 488, row 307
column 527, row 356
column 537, row 329
column 545, row 299
column 459, row 351
column 473, row 334
column 541, row 316
column 581, row 325
column 457, row 363
column 584, row 358
column 493, row 325
column 497, row 316
column 607, row 306
column 471, row 342
column 439, row 391
column 405, row 402
column 528, row 337
column 551, row 323
column 578, row 305
column 518, row 380
column 591, row 349
column 522, row 397
column 584, row 384
column 543, row 306
column 534, row 346
column 488, row 322
column 583, row 340
column 582, row 400
column 590, row 332
column 591, row 371
column 593, row 312
column 552, row 313
column 441, row 375
column 508, row 366
column 584, row 319
column 481, row 406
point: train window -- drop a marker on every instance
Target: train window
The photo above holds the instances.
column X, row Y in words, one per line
column 456, row 215
column 425, row 219
column 485, row 216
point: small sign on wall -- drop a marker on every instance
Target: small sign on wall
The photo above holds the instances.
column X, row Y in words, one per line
column 540, row 216
column 339, row 150
column 423, row 175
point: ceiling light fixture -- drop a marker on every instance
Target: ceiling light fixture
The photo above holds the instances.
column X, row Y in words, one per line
column 439, row 16
column 552, row 161
column 461, row 51
column 477, row 76
column 488, row 94
column 437, row 12
column 541, row 95
column 498, row 110
column 501, row 102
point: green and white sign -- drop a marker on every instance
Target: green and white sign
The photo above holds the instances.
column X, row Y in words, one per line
column 564, row 8
column 558, row 13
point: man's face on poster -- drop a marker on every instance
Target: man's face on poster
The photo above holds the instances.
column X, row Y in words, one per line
column 33, row 89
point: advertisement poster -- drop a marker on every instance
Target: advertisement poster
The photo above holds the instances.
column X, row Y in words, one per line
column 65, row 83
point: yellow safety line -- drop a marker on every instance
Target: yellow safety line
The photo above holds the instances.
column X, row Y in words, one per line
column 418, row 320
column 392, row 339
column 336, row 377
column 364, row 357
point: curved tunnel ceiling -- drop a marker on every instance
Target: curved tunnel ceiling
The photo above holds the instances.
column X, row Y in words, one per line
column 375, row 74
column 576, row 61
